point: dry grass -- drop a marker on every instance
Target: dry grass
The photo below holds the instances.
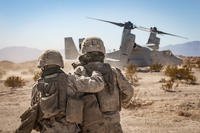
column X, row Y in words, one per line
column 130, row 74
column 156, row 67
column 189, row 109
column 193, row 62
column 169, row 85
column 184, row 73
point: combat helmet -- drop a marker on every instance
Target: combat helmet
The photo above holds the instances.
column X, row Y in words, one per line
column 92, row 44
column 50, row 57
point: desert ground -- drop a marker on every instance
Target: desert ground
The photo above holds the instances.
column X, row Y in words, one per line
column 156, row 111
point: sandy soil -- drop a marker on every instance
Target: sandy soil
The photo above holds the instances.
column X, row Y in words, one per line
column 159, row 111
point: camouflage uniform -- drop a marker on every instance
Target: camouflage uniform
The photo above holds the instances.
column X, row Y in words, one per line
column 58, row 95
column 117, row 89
column 93, row 121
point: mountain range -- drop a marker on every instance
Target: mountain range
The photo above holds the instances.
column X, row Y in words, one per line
column 185, row 49
column 19, row 54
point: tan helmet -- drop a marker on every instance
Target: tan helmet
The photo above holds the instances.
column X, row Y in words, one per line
column 50, row 57
column 92, row 44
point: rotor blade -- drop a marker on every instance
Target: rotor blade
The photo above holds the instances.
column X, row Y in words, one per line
column 118, row 24
column 164, row 33
column 143, row 29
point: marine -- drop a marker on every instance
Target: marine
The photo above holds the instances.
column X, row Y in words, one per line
column 56, row 105
column 108, row 102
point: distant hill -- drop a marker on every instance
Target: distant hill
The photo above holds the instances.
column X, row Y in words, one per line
column 22, row 54
column 186, row 49
column 19, row 54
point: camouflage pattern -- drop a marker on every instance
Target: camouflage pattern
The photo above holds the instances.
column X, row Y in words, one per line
column 91, row 123
column 58, row 98
column 117, row 92
column 28, row 120
column 50, row 57
column 109, row 103
column 92, row 44
column 53, row 102
column 111, row 116
column 60, row 126
column 92, row 116
column 112, row 122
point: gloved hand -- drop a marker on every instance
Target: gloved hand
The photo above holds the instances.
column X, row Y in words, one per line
column 106, row 71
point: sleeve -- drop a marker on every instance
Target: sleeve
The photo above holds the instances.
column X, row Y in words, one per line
column 34, row 95
column 126, row 88
column 80, row 83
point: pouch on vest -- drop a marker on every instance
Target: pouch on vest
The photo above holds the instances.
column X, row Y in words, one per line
column 49, row 105
column 91, row 111
column 109, row 102
column 74, row 110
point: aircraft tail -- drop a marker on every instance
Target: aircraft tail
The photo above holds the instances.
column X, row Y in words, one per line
column 71, row 51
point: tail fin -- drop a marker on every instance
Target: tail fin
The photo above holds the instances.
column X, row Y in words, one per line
column 71, row 51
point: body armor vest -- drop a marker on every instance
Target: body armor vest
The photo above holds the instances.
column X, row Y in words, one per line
column 109, row 97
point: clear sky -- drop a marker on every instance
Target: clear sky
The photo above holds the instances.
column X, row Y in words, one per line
column 43, row 24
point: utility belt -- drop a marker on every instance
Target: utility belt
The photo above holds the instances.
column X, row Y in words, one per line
column 111, row 117
column 110, row 112
column 57, row 117
column 50, row 123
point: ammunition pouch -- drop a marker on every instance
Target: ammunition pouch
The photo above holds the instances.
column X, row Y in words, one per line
column 74, row 110
column 49, row 105
column 91, row 111
column 109, row 102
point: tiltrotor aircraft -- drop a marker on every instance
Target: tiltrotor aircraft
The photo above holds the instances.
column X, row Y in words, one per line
column 130, row 52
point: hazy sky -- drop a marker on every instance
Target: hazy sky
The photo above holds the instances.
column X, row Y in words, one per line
column 43, row 24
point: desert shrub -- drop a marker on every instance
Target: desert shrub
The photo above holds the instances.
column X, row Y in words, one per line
column 156, row 67
column 193, row 62
column 14, row 81
column 169, row 85
column 187, row 63
column 184, row 73
column 184, row 113
column 37, row 75
column 130, row 73
column 184, row 109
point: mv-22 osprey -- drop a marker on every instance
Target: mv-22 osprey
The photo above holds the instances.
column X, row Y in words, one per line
column 130, row 52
